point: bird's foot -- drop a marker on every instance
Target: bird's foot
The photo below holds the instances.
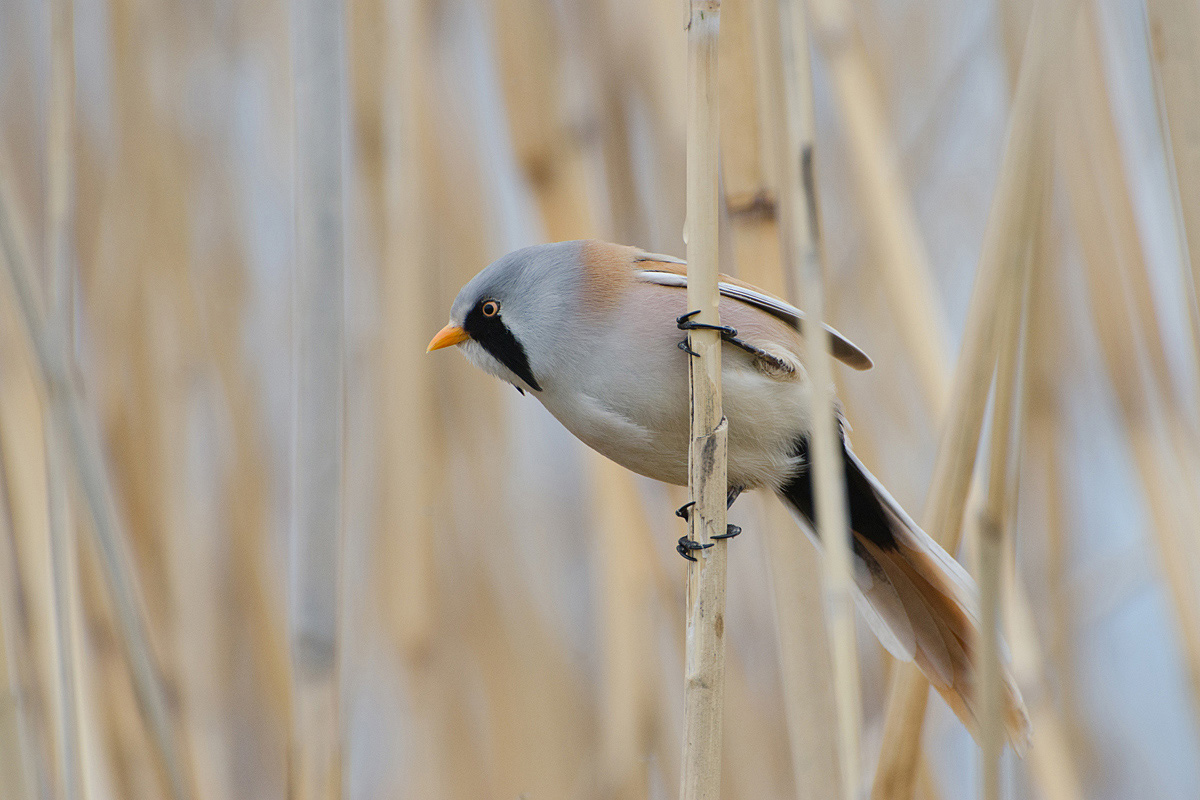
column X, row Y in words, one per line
column 731, row 494
column 685, row 323
column 686, row 546
column 730, row 532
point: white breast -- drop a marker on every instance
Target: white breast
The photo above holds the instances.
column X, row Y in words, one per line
column 626, row 395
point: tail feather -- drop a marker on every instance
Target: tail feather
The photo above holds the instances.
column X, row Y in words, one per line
column 919, row 601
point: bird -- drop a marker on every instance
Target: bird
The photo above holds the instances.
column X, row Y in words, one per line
column 593, row 331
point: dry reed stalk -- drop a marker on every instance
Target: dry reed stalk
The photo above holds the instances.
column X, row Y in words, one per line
column 408, row 413
column 22, row 453
column 1010, row 221
column 1043, row 447
column 806, row 670
column 753, row 139
column 317, row 399
column 554, row 160
column 545, row 146
column 704, row 661
column 525, row 670
column 832, row 523
column 1117, row 202
column 18, row 770
column 59, row 274
column 1053, row 714
column 87, row 461
column 243, row 486
column 1051, row 762
column 1163, row 476
column 899, row 251
column 993, row 517
column 628, row 591
column 1174, row 47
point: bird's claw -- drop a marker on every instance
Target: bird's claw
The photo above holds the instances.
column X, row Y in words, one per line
column 684, row 323
column 686, row 546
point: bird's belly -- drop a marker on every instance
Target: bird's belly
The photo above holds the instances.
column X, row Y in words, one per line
column 647, row 431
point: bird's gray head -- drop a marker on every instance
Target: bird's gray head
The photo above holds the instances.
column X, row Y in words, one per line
column 511, row 319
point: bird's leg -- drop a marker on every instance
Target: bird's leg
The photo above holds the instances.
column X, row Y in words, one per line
column 687, row 545
column 684, row 323
column 728, row 334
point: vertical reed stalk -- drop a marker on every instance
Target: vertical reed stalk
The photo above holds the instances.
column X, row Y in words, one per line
column 992, row 523
column 892, row 222
column 1092, row 178
column 704, row 660
column 409, row 416
column 753, row 139
column 1009, row 225
column 60, row 219
column 88, row 465
column 1174, row 47
column 828, row 470
column 18, row 770
column 1052, row 765
column 317, row 399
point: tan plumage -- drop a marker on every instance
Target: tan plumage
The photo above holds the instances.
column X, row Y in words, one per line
column 590, row 329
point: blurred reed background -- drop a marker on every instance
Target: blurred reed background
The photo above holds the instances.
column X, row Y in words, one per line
column 508, row 621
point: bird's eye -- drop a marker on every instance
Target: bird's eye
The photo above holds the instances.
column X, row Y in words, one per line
column 491, row 308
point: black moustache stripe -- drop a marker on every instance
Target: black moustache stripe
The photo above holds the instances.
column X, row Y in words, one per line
column 495, row 337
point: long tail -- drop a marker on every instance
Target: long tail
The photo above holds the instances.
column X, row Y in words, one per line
column 919, row 601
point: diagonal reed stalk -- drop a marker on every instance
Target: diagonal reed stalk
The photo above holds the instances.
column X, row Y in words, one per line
column 890, row 218
column 1174, row 48
column 704, row 659
column 1099, row 191
column 317, row 399
column 88, row 467
column 993, row 517
column 60, row 219
column 752, row 142
column 830, row 492
column 1010, row 225
column 18, row 740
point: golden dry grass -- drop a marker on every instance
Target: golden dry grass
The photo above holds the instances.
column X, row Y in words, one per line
column 401, row 579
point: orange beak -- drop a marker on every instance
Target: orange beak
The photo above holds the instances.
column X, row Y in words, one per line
column 447, row 336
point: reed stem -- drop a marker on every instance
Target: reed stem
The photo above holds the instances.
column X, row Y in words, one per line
column 1011, row 221
column 830, row 492
column 60, row 219
column 704, row 659
column 317, row 399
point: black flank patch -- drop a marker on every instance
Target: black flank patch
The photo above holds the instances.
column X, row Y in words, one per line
column 867, row 515
column 497, row 339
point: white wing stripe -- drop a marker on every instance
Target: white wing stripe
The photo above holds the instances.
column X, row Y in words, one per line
column 845, row 349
